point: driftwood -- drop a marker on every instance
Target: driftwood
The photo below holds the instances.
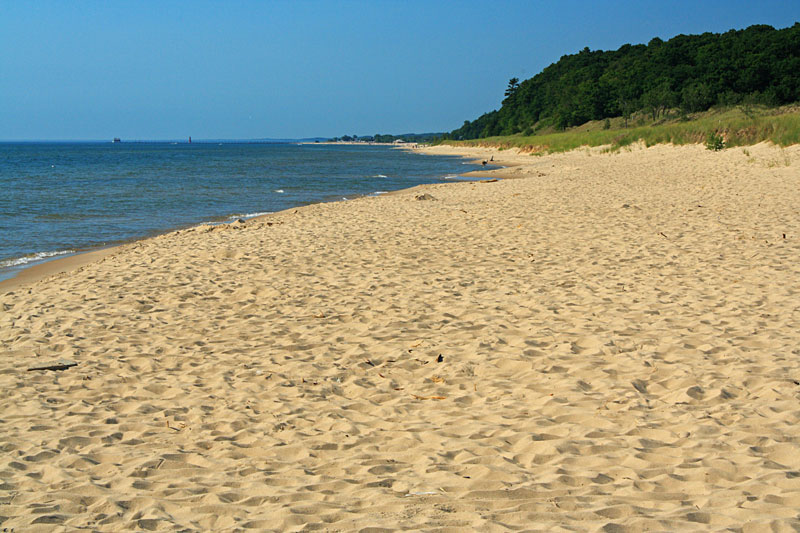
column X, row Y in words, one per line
column 61, row 364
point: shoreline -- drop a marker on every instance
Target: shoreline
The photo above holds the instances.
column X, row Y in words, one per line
column 512, row 162
column 609, row 343
column 44, row 268
column 60, row 265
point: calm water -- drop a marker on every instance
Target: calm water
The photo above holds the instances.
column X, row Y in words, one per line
column 58, row 198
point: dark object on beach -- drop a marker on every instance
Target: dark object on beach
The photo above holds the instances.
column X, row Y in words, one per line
column 489, row 181
column 440, row 359
column 492, row 158
column 61, row 364
column 241, row 221
column 425, row 196
column 484, row 162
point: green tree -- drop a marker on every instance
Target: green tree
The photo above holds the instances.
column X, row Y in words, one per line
column 658, row 99
column 513, row 85
column 695, row 97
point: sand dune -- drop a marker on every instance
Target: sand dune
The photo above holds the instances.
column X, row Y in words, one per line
column 611, row 343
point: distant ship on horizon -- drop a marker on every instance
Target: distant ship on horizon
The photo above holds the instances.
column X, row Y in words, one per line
column 116, row 140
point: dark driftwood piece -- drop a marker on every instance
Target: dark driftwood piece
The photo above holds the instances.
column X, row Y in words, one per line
column 61, row 364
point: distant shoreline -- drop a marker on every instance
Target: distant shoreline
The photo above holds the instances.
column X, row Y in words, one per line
column 365, row 143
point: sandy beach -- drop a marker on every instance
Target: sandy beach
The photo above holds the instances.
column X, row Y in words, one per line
column 610, row 342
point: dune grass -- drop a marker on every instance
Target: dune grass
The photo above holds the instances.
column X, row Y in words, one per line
column 737, row 126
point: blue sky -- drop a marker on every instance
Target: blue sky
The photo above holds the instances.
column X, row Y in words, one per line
column 291, row 69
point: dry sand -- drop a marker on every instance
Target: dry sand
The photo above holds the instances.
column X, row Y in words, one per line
column 610, row 344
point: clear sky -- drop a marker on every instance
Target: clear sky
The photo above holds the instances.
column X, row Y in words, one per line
column 292, row 69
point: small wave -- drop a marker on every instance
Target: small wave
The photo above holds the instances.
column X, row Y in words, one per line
column 280, row 191
column 452, row 177
column 378, row 193
column 24, row 260
column 249, row 215
column 380, row 176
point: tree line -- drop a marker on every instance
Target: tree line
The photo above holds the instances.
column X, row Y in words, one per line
column 387, row 138
column 757, row 65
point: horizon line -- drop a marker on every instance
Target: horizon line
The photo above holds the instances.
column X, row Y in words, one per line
column 182, row 140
